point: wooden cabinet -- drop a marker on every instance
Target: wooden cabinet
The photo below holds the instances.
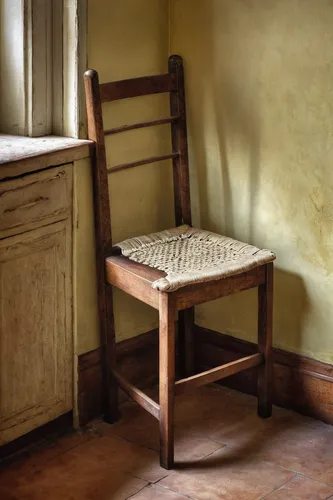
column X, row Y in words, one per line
column 35, row 200
column 36, row 341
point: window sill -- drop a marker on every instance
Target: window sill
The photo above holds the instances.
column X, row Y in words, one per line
column 20, row 155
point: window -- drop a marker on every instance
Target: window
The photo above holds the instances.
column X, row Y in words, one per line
column 42, row 58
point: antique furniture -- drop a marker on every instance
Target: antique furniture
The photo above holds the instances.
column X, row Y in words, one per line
column 36, row 294
column 171, row 271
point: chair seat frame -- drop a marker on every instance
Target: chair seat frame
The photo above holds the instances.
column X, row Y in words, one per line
column 136, row 279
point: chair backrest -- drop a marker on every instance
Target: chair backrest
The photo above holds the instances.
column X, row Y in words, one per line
column 96, row 95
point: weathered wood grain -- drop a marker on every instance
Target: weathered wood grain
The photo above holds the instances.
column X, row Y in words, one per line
column 218, row 373
column 167, row 338
column 138, row 163
column 265, row 339
column 137, row 280
column 103, row 242
column 36, row 345
column 135, row 126
column 181, row 174
column 21, row 155
column 35, row 200
column 135, row 87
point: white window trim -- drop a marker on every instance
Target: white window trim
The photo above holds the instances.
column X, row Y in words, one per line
column 74, row 65
column 54, row 38
column 38, row 41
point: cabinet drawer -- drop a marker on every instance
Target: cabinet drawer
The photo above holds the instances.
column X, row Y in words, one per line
column 35, row 200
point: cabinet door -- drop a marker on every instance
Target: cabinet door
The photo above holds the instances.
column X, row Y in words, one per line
column 35, row 329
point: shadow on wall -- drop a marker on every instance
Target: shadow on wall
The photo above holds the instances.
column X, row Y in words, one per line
column 225, row 129
column 229, row 118
column 290, row 293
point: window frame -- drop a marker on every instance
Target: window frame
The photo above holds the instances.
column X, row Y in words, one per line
column 53, row 61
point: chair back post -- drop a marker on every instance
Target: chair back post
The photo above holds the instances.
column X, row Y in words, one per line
column 179, row 143
column 100, row 174
column 102, row 220
column 96, row 94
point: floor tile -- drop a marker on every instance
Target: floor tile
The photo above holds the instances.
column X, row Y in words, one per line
column 73, row 439
column 102, row 485
column 72, row 478
column 307, row 449
column 223, row 450
column 44, row 451
column 34, row 482
column 206, row 411
column 248, row 432
column 301, row 488
column 287, row 439
column 139, row 427
column 227, row 475
column 116, row 453
column 154, row 492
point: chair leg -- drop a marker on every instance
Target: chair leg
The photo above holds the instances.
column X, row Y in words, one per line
column 265, row 320
column 110, row 386
column 186, row 342
column 167, row 379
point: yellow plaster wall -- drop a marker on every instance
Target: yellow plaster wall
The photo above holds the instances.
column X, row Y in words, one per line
column 260, row 98
column 126, row 39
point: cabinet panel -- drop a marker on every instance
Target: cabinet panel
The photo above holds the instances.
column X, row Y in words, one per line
column 35, row 329
column 35, row 200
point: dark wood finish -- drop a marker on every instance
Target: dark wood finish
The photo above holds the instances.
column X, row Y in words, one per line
column 299, row 383
column 218, row 373
column 140, row 270
column 167, row 379
column 90, row 382
column 307, row 366
column 101, row 190
column 137, row 280
column 186, row 342
column 179, row 144
column 103, row 243
column 134, row 279
column 134, row 126
column 139, row 163
column 110, row 386
column 137, row 395
column 60, row 426
column 265, row 325
column 199, row 293
column 136, row 87
column 137, row 360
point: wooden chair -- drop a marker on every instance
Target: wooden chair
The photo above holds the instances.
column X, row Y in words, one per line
column 138, row 279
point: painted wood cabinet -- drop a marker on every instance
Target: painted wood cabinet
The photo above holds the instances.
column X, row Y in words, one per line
column 36, row 339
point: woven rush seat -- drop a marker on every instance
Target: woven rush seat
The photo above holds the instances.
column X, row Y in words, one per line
column 189, row 255
column 194, row 265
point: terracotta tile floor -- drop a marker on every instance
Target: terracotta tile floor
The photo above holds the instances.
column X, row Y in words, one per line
column 223, row 451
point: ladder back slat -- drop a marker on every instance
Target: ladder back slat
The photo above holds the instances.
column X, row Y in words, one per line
column 138, row 163
column 151, row 123
column 171, row 83
column 136, row 87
